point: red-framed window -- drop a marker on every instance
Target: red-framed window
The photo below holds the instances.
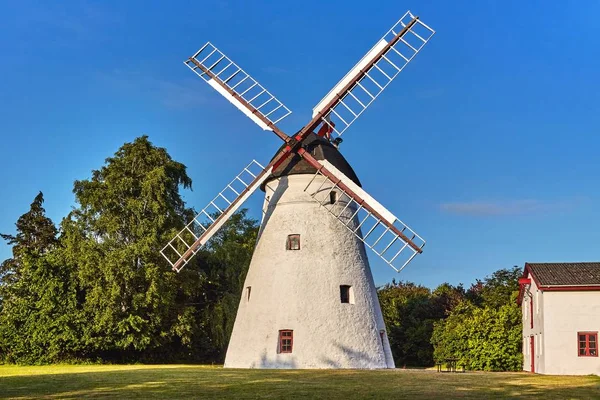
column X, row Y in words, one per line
column 587, row 344
column 293, row 242
column 286, row 340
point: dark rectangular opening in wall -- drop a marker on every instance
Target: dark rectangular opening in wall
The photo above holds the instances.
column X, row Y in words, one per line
column 332, row 197
column 293, row 242
column 345, row 294
column 248, row 290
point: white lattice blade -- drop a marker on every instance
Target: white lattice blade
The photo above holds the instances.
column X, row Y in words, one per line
column 188, row 241
column 388, row 237
column 238, row 104
column 237, row 86
column 373, row 73
column 384, row 212
column 367, row 58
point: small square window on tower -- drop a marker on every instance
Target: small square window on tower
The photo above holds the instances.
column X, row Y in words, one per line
column 346, row 294
column 286, row 340
column 332, row 197
column 293, row 242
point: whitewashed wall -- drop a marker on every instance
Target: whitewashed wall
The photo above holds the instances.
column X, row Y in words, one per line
column 538, row 328
column 300, row 290
column 565, row 314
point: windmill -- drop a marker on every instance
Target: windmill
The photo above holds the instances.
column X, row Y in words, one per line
column 309, row 299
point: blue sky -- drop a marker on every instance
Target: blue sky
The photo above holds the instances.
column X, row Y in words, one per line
column 486, row 144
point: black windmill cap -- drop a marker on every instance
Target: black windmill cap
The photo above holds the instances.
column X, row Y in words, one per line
column 321, row 149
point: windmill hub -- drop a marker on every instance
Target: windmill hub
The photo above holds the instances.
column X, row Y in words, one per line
column 321, row 149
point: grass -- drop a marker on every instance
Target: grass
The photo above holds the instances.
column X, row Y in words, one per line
column 191, row 381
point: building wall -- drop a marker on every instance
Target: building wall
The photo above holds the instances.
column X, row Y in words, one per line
column 300, row 290
column 537, row 331
column 565, row 314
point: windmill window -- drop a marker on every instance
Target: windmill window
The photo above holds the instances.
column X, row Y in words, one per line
column 293, row 242
column 248, row 290
column 346, row 294
column 286, row 340
column 332, row 197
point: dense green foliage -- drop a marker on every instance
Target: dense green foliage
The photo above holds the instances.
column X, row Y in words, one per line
column 410, row 312
column 37, row 293
column 484, row 333
column 481, row 326
column 97, row 289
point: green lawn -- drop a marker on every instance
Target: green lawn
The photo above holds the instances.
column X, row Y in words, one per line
column 204, row 382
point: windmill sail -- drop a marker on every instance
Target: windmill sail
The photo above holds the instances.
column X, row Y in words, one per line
column 379, row 229
column 338, row 109
column 187, row 242
column 373, row 73
column 233, row 83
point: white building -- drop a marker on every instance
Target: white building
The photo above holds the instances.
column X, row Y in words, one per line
column 309, row 299
column 561, row 318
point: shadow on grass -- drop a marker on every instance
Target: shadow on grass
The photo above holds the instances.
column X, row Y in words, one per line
column 182, row 382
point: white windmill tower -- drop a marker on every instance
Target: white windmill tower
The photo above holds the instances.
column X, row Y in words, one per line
column 309, row 299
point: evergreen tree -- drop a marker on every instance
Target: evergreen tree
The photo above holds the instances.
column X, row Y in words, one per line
column 38, row 316
column 127, row 211
column 36, row 234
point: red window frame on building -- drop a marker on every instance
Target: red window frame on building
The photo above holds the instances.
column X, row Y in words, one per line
column 286, row 340
column 587, row 344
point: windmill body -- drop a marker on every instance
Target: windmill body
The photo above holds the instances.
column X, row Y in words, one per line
column 320, row 291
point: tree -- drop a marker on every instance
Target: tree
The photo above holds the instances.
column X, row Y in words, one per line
column 448, row 297
column 38, row 314
column 127, row 211
column 484, row 330
column 101, row 290
column 499, row 288
column 222, row 266
column 36, row 234
column 410, row 311
column 409, row 314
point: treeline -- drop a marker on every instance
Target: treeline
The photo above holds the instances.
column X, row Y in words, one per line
column 95, row 288
column 480, row 326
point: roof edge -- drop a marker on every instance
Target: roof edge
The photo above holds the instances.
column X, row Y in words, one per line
column 527, row 271
column 569, row 288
